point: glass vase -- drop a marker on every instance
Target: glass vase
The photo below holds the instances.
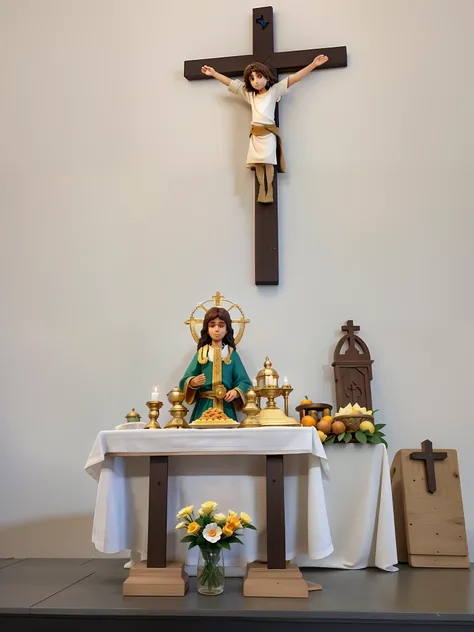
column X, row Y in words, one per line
column 210, row 571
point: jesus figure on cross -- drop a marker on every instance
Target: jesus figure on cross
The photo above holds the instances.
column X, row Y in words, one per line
column 262, row 93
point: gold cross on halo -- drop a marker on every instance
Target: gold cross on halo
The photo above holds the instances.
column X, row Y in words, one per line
column 218, row 297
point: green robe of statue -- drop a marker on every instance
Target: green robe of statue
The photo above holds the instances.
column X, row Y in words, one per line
column 225, row 369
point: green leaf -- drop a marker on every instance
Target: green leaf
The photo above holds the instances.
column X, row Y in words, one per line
column 374, row 439
column 361, row 437
column 238, row 540
column 367, row 433
column 340, row 437
column 192, row 545
column 385, row 443
column 189, row 538
column 330, row 440
column 224, row 544
column 379, row 426
column 249, row 526
column 348, row 437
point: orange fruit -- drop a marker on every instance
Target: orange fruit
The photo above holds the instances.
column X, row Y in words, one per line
column 306, row 401
column 308, row 421
column 338, row 427
column 327, row 418
column 324, row 426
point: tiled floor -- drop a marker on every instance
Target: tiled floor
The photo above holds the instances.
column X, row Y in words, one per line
column 94, row 587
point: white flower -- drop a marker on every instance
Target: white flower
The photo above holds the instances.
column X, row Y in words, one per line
column 212, row 532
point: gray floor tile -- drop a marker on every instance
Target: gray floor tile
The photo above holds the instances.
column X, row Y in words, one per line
column 8, row 561
column 23, row 585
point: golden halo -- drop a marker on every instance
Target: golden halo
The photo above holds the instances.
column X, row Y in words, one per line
column 195, row 321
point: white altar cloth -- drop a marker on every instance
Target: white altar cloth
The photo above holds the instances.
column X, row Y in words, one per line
column 221, row 465
column 352, row 508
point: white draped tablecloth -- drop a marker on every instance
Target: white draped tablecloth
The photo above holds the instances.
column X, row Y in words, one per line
column 227, row 466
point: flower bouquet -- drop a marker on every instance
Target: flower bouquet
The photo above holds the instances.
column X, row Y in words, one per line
column 211, row 532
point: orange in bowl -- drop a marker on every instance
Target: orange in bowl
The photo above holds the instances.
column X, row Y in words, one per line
column 308, row 421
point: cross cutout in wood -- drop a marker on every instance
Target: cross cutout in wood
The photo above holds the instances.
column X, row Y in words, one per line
column 429, row 457
column 266, row 215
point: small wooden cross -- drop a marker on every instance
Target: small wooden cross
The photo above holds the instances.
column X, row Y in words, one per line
column 266, row 215
column 429, row 457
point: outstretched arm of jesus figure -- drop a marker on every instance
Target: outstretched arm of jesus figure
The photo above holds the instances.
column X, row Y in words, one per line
column 210, row 72
column 304, row 72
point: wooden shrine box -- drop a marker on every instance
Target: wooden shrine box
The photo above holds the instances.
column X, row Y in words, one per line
column 427, row 501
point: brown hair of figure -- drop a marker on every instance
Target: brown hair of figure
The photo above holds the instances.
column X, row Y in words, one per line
column 212, row 314
column 263, row 70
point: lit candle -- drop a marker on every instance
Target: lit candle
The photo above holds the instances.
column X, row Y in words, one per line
column 255, row 383
column 285, row 381
column 155, row 396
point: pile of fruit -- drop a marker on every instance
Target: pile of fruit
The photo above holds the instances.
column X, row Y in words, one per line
column 214, row 416
column 331, row 429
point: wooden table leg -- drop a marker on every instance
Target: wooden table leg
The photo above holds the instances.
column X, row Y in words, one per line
column 276, row 549
column 156, row 577
column 157, row 512
column 276, row 578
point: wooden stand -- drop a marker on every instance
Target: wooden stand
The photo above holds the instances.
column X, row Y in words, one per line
column 145, row 581
column 429, row 525
column 155, row 577
column 276, row 578
column 261, row 581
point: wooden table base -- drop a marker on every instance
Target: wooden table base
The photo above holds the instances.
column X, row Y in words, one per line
column 261, row 581
column 144, row 581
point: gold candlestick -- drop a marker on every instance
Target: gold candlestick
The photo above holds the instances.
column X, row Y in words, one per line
column 153, row 415
column 251, row 411
column 286, row 390
column 177, row 410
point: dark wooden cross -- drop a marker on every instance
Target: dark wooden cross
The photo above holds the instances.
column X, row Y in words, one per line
column 266, row 215
column 429, row 457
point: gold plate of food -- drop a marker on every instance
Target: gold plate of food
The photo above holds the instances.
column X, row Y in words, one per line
column 214, row 418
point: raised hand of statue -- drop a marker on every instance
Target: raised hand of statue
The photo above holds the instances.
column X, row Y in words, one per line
column 208, row 71
column 320, row 60
column 231, row 395
column 198, row 381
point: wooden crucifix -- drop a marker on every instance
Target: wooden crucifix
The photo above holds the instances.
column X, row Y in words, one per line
column 429, row 457
column 266, row 215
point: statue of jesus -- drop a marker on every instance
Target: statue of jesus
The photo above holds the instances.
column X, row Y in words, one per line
column 262, row 93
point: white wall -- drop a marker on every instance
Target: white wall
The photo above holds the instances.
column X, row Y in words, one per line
column 124, row 201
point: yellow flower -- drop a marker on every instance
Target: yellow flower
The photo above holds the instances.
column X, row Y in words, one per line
column 193, row 527
column 245, row 518
column 227, row 530
column 232, row 513
column 181, row 525
column 219, row 518
column 182, row 513
column 234, row 522
column 208, row 507
column 201, row 512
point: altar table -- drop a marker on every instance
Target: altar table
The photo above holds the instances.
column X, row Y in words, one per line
column 227, row 466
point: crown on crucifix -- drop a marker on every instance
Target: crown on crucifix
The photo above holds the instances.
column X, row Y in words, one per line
column 196, row 320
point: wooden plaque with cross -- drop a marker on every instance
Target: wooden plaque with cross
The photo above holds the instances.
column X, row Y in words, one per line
column 427, row 502
column 266, row 215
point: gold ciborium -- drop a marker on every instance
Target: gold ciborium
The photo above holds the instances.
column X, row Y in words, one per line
column 267, row 387
column 153, row 415
column 251, row 411
column 177, row 410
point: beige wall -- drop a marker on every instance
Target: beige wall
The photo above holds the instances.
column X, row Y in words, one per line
column 124, row 201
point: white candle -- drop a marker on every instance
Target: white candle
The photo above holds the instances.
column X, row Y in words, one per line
column 285, row 381
column 155, row 396
column 255, row 383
